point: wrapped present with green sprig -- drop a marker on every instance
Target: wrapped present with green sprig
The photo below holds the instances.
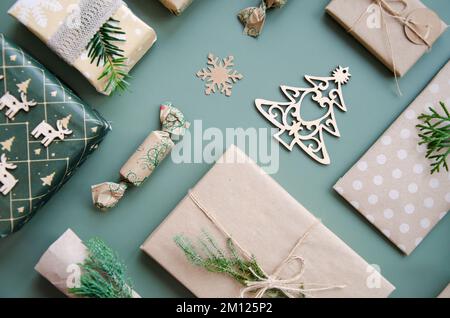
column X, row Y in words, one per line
column 238, row 233
column 89, row 269
column 401, row 184
column 103, row 39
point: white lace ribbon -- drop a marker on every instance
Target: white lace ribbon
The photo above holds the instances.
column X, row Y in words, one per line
column 72, row 37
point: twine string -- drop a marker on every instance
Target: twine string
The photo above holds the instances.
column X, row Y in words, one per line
column 387, row 10
column 288, row 286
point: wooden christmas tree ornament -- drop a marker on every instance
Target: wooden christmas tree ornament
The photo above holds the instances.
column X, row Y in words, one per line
column 308, row 134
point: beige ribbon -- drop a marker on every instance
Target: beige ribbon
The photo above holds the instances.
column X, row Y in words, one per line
column 386, row 9
column 289, row 286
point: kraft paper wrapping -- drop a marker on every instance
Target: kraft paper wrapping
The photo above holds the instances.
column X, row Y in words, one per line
column 55, row 264
column 445, row 293
column 44, row 18
column 138, row 168
column 266, row 221
column 176, row 6
column 391, row 184
column 357, row 17
column 147, row 157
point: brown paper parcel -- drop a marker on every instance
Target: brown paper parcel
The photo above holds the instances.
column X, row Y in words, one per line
column 176, row 6
column 55, row 265
column 445, row 293
column 139, row 36
column 359, row 17
column 267, row 222
column 391, row 184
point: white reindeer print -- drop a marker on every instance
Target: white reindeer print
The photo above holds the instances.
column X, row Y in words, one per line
column 14, row 105
column 49, row 133
column 6, row 179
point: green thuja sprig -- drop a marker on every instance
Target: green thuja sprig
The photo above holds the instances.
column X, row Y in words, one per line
column 231, row 263
column 103, row 274
column 435, row 134
column 102, row 49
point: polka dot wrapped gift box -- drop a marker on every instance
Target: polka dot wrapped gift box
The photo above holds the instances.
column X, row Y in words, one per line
column 392, row 186
column 46, row 132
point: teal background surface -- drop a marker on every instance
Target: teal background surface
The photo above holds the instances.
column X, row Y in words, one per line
column 298, row 39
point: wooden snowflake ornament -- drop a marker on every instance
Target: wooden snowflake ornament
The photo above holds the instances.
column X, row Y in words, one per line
column 308, row 134
column 7, row 180
column 219, row 75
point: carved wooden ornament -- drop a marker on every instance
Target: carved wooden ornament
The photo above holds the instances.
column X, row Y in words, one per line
column 308, row 134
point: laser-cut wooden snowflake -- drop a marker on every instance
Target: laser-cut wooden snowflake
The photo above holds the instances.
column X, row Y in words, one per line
column 308, row 134
column 219, row 75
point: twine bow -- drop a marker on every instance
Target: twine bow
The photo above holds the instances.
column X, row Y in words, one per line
column 253, row 18
column 292, row 287
column 407, row 22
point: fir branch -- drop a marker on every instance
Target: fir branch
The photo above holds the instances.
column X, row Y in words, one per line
column 103, row 274
column 102, row 49
column 215, row 260
column 434, row 132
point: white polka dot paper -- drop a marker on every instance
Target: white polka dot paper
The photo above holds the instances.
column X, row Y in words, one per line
column 391, row 184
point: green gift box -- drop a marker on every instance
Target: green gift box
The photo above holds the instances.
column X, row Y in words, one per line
column 46, row 132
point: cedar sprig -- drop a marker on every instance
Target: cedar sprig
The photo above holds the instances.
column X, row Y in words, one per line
column 102, row 49
column 103, row 274
column 435, row 134
column 215, row 260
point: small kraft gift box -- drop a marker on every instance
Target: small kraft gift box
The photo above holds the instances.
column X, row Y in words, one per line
column 258, row 241
column 46, row 133
column 397, row 32
column 68, row 26
column 392, row 184
column 176, row 6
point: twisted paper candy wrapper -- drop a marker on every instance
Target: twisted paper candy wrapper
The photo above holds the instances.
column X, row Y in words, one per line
column 253, row 18
column 145, row 159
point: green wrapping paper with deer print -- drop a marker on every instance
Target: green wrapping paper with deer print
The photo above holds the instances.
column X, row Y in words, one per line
column 46, row 132
column 238, row 197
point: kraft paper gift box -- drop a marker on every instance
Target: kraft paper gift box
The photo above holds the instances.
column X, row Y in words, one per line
column 445, row 293
column 263, row 218
column 176, row 6
column 391, row 185
column 46, row 18
column 58, row 263
column 40, row 170
column 388, row 29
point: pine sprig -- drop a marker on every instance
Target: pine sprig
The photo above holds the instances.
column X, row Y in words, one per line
column 102, row 49
column 103, row 274
column 230, row 263
column 435, row 134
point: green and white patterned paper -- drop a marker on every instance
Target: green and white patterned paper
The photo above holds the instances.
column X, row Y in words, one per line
column 41, row 171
